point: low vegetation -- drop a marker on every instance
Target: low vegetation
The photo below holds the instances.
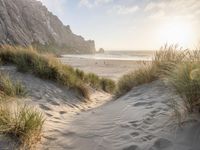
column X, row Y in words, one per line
column 146, row 74
column 177, row 67
column 164, row 61
column 185, row 78
column 11, row 88
column 48, row 67
column 23, row 124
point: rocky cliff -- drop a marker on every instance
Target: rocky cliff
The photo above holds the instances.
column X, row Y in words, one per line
column 24, row 22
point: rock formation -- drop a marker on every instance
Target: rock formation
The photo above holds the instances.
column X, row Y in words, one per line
column 24, row 22
column 101, row 50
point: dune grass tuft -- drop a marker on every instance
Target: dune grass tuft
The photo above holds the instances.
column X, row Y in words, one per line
column 82, row 90
column 11, row 88
column 108, row 85
column 48, row 67
column 146, row 74
column 185, row 78
column 23, row 124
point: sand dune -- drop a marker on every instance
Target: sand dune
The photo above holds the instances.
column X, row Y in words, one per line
column 55, row 101
column 140, row 120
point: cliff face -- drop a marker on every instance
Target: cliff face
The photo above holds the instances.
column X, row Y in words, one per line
column 24, row 22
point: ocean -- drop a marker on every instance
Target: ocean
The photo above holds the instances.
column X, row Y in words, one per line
column 117, row 55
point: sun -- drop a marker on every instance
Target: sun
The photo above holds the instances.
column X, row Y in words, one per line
column 177, row 32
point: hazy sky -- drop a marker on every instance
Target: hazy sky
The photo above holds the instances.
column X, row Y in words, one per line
column 131, row 24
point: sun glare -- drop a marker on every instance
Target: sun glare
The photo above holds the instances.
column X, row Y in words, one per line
column 177, row 33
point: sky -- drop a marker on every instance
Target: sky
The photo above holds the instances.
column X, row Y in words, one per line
column 131, row 24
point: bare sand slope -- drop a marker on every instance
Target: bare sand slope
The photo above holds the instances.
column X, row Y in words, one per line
column 55, row 101
column 141, row 120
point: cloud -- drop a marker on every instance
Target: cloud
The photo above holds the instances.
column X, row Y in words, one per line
column 124, row 10
column 157, row 15
column 164, row 8
column 154, row 6
column 93, row 3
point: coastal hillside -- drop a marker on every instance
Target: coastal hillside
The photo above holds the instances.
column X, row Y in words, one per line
column 28, row 22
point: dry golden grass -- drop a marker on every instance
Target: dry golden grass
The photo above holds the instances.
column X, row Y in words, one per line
column 179, row 68
column 147, row 73
column 11, row 88
column 23, row 124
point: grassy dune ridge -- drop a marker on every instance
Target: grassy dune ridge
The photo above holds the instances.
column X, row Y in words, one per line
column 24, row 123
column 177, row 67
column 46, row 66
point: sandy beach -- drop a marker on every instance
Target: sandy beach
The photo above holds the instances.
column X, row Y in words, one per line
column 113, row 69
column 99, row 75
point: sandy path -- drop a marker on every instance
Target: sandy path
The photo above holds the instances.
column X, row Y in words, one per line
column 141, row 120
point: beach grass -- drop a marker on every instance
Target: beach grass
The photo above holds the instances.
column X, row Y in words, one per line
column 163, row 62
column 11, row 88
column 46, row 66
column 22, row 123
column 146, row 74
column 179, row 68
column 185, row 79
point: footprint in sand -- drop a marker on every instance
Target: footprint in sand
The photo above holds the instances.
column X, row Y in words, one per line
column 147, row 138
column 144, row 103
column 42, row 106
column 49, row 115
column 140, row 104
column 69, row 133
column 62, row 112
column 134, row 134
column 50, row 138
column 161, row 144
column 135, row 123
column 134, row 94
column 56, row 118
column 132, row 147
column 54, row 103
column 148, row 121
